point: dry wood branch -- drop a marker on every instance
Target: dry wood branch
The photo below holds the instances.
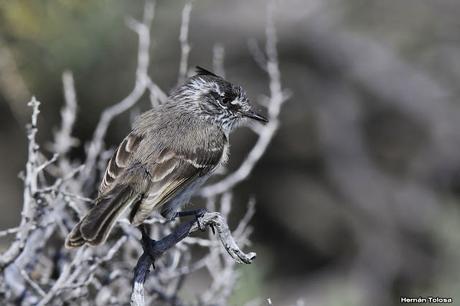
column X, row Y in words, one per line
column 265, row 133
column 33, row 284
column 184, row 44
column 36, row 269
column 142, row 82
column 213, row 219
column 225, row 235
column 218, row 55
column 63, row 140
column 30, row 188
column 9, row 231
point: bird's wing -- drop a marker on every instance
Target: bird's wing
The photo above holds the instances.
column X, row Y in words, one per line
column 168, row 171
column 136, row 171
column 172, row 173
column 119, row 161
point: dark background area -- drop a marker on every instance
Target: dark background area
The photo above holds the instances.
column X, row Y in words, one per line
column 357, row 196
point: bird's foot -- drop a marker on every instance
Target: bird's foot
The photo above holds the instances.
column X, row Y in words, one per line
column 197, row 213
column 149, row 245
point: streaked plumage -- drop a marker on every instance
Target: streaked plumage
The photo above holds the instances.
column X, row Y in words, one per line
column 170, row 152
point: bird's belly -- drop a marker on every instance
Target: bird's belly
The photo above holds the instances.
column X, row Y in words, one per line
column 150, row 203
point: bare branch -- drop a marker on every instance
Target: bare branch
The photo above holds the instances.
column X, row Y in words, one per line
column 247, row 217
column 9, row 231
column 63, row 277
column 225, row 235
column 30, row 188
column 32, row 283
column 52, row 160
column 184, row 44
column 90, row 271
column 266, row 133
column 218, row 55
column 157, row 96
column 257, row 54
column 54, row 198
column 142, row 81
column 213, row 219
column 63, row 140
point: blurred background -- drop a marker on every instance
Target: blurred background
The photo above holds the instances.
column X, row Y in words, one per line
column 357, row 196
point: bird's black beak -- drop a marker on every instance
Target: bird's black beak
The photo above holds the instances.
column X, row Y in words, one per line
column 253, row 115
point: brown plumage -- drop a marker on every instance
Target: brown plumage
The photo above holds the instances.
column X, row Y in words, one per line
column 170, row 152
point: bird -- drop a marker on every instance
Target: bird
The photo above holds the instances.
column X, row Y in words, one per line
column 169, row 154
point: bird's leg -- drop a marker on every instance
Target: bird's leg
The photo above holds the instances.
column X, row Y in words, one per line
column 148, row 244
column 155, row 248
column 197, row 213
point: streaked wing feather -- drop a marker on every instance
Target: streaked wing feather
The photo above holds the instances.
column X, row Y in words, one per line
column 119, row 161
column 188, row 167
column 174, row 172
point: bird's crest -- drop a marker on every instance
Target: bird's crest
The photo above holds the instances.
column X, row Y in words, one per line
column 202, row 71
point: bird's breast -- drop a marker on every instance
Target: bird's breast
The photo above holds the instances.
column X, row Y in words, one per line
column 225, row 155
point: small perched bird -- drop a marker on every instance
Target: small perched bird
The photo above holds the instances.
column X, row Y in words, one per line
column 170, row 152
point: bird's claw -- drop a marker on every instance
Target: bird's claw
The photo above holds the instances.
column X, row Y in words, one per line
column 148, row 245
column 198, row 214
column 212, row 228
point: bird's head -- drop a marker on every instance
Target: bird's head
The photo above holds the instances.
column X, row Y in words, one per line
column 217, row 100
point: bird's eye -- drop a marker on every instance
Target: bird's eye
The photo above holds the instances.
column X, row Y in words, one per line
column 229, row 97
column 215, row 95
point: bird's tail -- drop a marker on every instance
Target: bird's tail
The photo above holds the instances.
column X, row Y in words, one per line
column 98, row 222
